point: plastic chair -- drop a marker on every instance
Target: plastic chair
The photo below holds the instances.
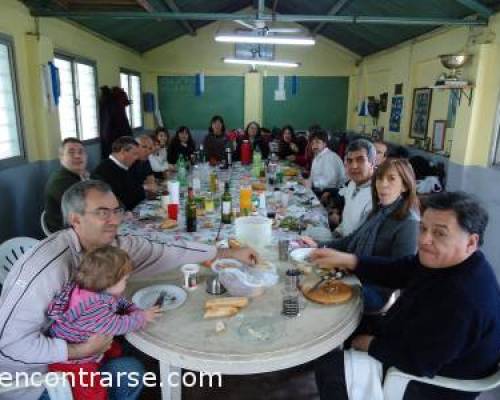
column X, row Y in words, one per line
column 55, row 382
column 11, row 251
column 390, row 302
column 396, row 382
column 45, row 228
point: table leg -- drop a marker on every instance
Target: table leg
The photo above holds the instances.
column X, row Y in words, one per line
column 173, row 375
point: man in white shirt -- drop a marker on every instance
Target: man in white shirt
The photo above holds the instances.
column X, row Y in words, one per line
column 360, row 165
column 327, row 170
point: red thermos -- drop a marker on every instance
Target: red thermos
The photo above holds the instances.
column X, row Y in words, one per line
column 245, row 153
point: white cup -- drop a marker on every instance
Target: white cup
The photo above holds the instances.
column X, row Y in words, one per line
column 190, row 272
column 164, row 202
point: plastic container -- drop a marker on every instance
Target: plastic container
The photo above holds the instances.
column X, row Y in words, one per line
column 241, row 280
column 254, row 231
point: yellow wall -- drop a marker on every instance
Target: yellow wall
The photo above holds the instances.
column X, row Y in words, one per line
column 189, row 55
column 416, row 64
column 41, row 128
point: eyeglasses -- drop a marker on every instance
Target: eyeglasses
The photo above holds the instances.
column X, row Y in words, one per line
column 106, row 213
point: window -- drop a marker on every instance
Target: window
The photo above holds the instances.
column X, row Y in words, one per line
column 10, row 123
column 78, row 101
column 496, row 149
column 131, row 84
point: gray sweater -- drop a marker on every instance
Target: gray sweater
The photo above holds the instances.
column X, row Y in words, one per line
column 396, row 238
column 41, row 273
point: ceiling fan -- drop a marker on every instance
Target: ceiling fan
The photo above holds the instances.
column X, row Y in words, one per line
column 261, row 27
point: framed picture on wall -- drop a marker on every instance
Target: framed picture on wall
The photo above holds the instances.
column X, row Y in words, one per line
column 420, row 112
column 438, row 135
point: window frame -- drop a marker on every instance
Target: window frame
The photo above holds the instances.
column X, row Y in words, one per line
column 495, row 142
column 73, row 59
column 8, row 41
column 131, row 72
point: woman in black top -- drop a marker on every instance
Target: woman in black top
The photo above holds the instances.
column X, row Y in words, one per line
column 289, row 149
column 253, row 135
column 182, row 144
column 215, row 141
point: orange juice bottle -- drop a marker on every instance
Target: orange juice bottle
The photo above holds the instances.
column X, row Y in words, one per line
column 246, row 199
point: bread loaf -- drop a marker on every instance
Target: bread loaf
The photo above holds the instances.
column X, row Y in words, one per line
column 238, row 302
column 218, row 312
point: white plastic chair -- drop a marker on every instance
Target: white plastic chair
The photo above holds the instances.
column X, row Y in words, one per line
column 396, row 382
column 56, row 384
column 11, row 251
column 43, row 223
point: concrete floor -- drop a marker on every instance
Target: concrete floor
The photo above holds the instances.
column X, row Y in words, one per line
column 297, row 384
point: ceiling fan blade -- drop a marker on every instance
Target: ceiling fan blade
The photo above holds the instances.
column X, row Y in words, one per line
column 285, row 30
column 245, row 24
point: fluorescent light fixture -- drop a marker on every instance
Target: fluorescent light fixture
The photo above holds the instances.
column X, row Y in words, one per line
column 250, row 61
column 268, row 39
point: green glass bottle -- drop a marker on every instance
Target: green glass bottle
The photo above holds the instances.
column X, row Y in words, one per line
column 227, row 205
column 190, row 212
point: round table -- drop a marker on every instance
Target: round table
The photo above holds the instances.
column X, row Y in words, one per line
column 181, row 338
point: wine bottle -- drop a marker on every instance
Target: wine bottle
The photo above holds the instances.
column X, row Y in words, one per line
column 227, row 206
column 190, row 212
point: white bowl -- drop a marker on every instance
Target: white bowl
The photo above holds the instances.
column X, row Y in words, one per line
column 301, row 255
column 254, row 231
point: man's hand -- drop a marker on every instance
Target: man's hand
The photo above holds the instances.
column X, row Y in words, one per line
column 246, row 255
column 309, row 241
column 328, row 258
column 96, row 344
column 362, row 342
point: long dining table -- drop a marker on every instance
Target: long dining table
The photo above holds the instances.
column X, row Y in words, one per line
column 259, row 338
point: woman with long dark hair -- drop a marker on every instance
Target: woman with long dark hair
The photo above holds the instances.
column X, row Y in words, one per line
column 253, row 135
column 215, row 140
column 182, row 144
column 158, row 159
column 289, row 148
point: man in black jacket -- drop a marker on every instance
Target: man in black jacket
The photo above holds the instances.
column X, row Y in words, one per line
column 446, row 322
column 115, row 172
column 73, row 158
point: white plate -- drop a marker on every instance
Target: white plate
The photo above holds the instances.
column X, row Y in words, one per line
column 224, row 263
column 301, row 255
column 147, row 296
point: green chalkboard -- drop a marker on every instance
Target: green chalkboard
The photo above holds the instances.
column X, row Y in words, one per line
column 179, row 104
column 318, row 100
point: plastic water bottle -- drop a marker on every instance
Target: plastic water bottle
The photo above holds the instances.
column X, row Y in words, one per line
column 181, row 171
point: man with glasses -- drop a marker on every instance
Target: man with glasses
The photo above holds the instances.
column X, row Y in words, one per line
column 94, row 214
column 73, row 159
column 115, row 171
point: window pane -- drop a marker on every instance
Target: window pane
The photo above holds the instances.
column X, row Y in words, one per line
column 125, row 87
column 9, row 135
column 88, row 99
column 136, row 101
column 67, row 117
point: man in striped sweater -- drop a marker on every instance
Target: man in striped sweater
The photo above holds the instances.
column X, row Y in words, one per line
column 94, row 214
